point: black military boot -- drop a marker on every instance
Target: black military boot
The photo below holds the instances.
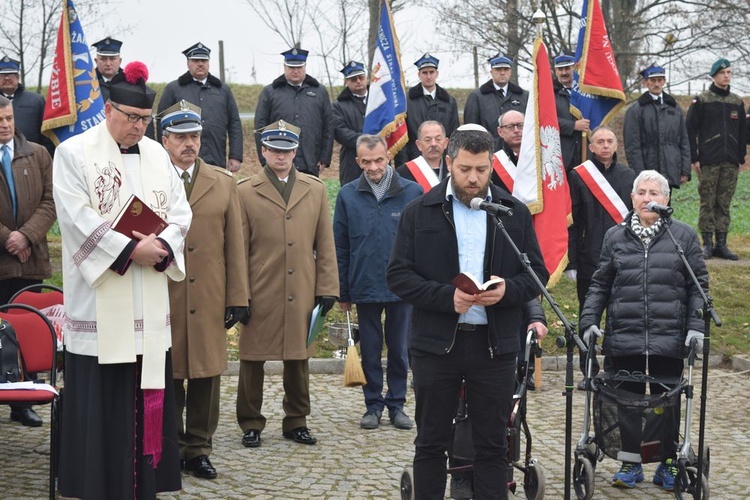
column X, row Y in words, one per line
column 721, row 250
column 708, row 245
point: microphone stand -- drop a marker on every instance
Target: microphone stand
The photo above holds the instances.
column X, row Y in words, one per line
column 708, row 313
column 570, row 339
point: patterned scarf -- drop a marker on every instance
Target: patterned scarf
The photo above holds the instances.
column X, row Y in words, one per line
column 381, row 188
column 643, row 232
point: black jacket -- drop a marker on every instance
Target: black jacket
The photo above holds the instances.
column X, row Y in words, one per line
column 307, row 108
column 656, row 138
column 484, row 106
column 28, row 114
column 348, row 119
column 649, row 296
column 716, row 127
column 425, row 260
column 420, row 108
column 219, row 116
column 590, row 220
column 570, row 139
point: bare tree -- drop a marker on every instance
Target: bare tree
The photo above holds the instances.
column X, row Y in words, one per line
column 678, row 32
column 28, row 31
column 287, row 18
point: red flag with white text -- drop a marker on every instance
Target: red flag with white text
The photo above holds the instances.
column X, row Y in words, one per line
column 540, row 179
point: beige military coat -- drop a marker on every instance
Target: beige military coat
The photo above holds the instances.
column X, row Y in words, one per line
column 291, row 260
column 215, row 278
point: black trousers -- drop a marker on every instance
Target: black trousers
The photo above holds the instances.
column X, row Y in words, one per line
column 489, row 389
column 632, row 431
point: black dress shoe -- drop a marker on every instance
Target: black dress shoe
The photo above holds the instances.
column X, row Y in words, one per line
column 27, row 417
column 251, row 439
column 301, row 435
column 201, row 467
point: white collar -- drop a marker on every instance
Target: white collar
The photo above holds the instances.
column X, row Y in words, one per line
column 427, row 92
column 505, row 88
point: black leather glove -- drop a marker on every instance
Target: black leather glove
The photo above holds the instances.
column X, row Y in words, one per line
column 326, row 302
column 233, row 314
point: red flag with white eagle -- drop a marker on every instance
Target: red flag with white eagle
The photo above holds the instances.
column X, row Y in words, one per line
column 540, row 178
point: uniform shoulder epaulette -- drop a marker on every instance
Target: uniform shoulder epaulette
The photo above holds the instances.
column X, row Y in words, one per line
column 316, row 179
column 242, row 181
column 224, row 171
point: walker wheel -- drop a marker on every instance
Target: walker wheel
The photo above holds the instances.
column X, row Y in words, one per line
column 583, row 478
column 534, row 481
column 407, row 484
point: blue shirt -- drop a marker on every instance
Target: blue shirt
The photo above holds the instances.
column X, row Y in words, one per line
column 471, row 236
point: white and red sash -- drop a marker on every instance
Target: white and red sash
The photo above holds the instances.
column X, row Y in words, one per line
column 602, row 190
column 423, row 173
column 505, row 169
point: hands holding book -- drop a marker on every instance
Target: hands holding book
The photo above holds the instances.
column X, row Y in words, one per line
column 148, row 251
column 487, row 294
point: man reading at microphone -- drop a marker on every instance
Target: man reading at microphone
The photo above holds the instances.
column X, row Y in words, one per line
column 456, row 336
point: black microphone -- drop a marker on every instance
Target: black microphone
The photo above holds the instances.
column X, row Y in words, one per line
column 663, row 210
column 490, row 208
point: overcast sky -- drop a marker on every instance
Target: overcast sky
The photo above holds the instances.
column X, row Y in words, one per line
column 157, row 31
column 161, row 29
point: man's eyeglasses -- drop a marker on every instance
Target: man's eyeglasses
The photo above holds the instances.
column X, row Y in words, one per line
column 511, row 126
column 132, row 117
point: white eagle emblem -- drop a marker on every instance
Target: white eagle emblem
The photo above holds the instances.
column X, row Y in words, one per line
column 552, row 161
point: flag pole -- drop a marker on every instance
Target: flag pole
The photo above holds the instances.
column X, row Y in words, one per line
column 539, row 19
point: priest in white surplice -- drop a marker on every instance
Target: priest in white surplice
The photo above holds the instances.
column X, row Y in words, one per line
column 119, row 437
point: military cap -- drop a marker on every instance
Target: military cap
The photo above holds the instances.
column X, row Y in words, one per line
column 499, row 61
column 564, row 60
column 107, row 47
column 427, row 61
column 129, row 87
column 653, row 71
column 718, row 66
column 352, row 69
column 181, row 118
column 279, row 135
column 295, row 57
column 9, row 66
column 197, row 51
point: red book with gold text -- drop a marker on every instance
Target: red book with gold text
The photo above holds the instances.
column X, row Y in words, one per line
column 137, row 216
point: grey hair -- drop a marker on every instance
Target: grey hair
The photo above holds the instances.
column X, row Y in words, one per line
column 500, row 118
column 427, row 123
column 4, row 101
column 371, row 141
column 600, row 128
column 649, row 176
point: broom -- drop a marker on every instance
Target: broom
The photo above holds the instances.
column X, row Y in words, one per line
column 353, row 374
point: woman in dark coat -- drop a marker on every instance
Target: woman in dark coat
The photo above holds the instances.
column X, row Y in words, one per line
column 651, row 303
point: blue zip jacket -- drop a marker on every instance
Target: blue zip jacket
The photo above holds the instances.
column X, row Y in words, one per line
column 364, row 230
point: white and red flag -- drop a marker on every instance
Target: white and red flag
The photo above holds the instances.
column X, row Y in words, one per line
column 540, row 180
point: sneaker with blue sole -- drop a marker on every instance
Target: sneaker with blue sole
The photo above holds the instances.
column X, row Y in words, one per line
column 665, row 475
column 628, row 475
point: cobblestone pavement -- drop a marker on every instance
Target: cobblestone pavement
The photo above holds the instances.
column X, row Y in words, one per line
column 351, row 463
